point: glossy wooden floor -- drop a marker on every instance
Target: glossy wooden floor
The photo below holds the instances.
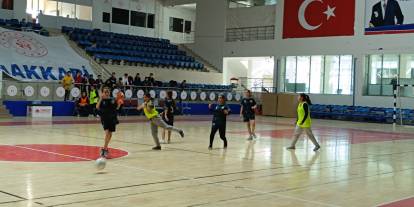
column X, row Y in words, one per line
column 359, row 164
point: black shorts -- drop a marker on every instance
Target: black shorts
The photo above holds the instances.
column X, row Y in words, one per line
column 170, row 120
column 109, row 124
column 248, row 117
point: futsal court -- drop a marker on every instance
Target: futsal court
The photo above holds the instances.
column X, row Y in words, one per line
column 51, row 163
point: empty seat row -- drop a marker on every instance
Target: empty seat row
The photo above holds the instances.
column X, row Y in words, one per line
column 150, row 61
column 131, row 49
column 14, row 24
column 94, row 50
column 360, row 113
column 100, row 33
column 140, row 48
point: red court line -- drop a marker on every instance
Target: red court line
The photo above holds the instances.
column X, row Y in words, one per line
column 409, row 202
column 54, row 153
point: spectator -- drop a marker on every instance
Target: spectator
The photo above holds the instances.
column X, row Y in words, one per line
column 130, row 81
column 111, row 82
column 183, row 85
column 120, row 98
column 125, row 79
column 99, row 82
column 93, row 100
column 120, row 84
column 92, row 81
column 67, row 82
column 151, row 80
column 172, row 84
column 137, row 80
column 83, row 105
column 85, row 83
column 78, row 80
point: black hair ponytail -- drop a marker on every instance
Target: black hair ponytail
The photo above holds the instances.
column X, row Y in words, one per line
column 306, row 98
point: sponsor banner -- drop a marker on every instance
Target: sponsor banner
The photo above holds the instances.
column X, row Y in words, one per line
column 27, row 56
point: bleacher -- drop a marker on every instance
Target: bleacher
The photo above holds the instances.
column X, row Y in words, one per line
column 15, row 24
column 361, row 113
column 118, row 48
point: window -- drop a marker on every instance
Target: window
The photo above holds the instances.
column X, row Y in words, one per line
column 318, row 74
column 150, row 20
column 176, row 24
column 187, row 26
column 84, row 12
column 303, row 74
column 138, row 19
column 57, row 8
column 120, row 16
column 384, row 70
column 331, row 75
column 106, row 17
column 50, row 8
column 66, row 10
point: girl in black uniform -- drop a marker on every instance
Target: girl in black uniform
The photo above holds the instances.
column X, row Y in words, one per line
column 107, row 108
column 168, row 115
column 220, row 112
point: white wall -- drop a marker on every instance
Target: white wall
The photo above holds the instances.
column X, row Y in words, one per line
column 168, row 74
column 162, row 15
column 186, row 14
column 210, row 31
column 6, row 14
column 234, row 68
column 58, row 22
column 359, row 46
column 251, row 17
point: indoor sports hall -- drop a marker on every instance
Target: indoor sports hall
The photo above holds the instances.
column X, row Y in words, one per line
column 284, row 103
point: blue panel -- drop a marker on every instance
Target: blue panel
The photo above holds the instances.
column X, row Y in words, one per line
column 60, row 108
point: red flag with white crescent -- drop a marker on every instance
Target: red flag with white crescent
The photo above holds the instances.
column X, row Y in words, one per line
column 318, row 18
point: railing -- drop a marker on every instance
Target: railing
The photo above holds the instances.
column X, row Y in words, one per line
column 264, row 85
column 250, row 33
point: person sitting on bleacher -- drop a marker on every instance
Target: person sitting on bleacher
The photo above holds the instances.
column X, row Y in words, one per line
column 93, row 100
column 83, row 105
column 78, row 80
column 137, row 80
column 111, row 82
column 120, row 84
column 99, row 82
column 120, row 99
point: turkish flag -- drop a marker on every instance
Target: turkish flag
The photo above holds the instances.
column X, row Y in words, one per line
column 318, row 18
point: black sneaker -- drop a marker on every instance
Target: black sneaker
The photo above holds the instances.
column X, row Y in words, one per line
column 291, row 148
column 156, row 148
column 225, row 145
column 316, row 148
column 181, row 133
column 104, row 152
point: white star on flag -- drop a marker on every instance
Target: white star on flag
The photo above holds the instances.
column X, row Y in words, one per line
column 329, row 12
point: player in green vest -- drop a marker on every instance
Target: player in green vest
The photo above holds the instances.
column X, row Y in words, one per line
column 304, row 122
column 156, row 121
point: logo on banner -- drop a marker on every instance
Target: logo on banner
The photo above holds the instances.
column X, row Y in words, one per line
column 318, row 18
column 23, row 44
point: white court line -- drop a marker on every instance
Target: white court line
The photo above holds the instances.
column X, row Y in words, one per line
column 184, row 177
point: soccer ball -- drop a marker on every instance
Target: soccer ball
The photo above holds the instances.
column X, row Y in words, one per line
column 100, row 163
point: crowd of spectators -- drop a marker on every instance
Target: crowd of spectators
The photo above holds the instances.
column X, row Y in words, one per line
column 90, row 86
